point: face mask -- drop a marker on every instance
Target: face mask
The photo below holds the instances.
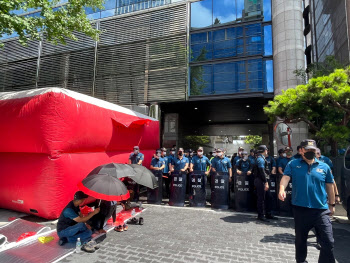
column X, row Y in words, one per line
column 164, row 153
column 245, row 158
column 214, row 154
column 289, row 154
column 173, row 153
column 219, row 154
column 310, row 155
column 158, row 154
column 180, row 153
column 199, row 153
column 136, row 151
column 191, row 154
column 284, row 155
column 239, row 152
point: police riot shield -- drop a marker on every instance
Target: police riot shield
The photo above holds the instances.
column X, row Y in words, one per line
column 285, row 207
column 197, row 194
column 220, row 190
column 177, row 189
column 274, row 193
column 154, row 196
column 243, row 195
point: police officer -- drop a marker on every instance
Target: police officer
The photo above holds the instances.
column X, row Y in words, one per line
column 157, row 162
column 312, row 185
column 221, row 163
column 239, row 156
column 199, row 162
column 243, row 165
column 136, row 157
column 261, row 183
column 298, row 155
column 166, row 171
column 271, row 162
column 252, row 156
column 179, row 163
column 280, row 157
column 288, row 152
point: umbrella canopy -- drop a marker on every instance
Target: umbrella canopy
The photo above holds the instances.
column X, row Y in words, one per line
column 144, row 176
column 105, row 187
column 117, row 170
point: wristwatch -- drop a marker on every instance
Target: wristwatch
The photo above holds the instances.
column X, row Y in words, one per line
column 331, row 204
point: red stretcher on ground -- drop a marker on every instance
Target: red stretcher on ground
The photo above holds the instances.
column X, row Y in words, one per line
column 31, row 250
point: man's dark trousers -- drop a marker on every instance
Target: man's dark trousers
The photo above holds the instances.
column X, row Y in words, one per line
column 264, row 198
column 305, row 219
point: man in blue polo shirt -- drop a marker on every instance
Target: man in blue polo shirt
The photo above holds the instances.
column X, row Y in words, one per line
column 179, row 163
column 312, row 185
column 243, row 165
column 221, row 163
column 167, row 161
column 287, row 158
column 200, row 162
column 157, row 162
column 136, row 157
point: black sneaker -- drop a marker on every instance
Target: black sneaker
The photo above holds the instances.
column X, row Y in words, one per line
column 88, row 247
column 271, row 217
column 260, row 218
column 94, row 244
column 62, row 241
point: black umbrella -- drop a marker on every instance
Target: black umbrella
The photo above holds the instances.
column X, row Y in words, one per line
column 144, row 176
column 105, row 187
column 117, row 170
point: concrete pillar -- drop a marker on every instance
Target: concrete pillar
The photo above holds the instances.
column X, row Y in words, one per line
column 288, row 53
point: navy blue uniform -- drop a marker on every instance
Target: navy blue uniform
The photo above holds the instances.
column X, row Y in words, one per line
column 271, row 163
column 157, row 162
column 244, row 166
column 135, row 158
column 200, row 163
column 179, row 163
column 310, row 208
column 283, row 163
column 221, row 164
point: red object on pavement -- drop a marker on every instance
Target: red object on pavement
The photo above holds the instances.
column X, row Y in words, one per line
column 12, row 218
column 125, row 215
column 25, row 235
column 52, row 138
column 85, row 210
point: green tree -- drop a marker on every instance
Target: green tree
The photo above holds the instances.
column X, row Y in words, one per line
column 193, row 142
column 197, row 83
column 217, row 21
column 254, row 140
column 55, row 25
column 323, row 104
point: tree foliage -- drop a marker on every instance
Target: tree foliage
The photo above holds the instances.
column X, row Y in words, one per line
column 197, row 82
column 323, row 104
column 254, row 140
column 55, row 24
column 193, row 142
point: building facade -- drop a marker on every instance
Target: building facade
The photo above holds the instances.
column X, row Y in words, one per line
column 205, row 68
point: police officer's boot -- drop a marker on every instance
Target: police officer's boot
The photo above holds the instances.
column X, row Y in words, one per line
column 262, row 218
column 269, row 216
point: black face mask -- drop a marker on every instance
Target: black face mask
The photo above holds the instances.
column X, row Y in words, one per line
column 310, row 155
column 180, row 153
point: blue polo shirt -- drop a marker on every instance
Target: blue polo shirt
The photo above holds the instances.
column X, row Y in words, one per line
column 157, row 162
column 243, row 166
column 179, row 164
column 278, row 160
column 283, row 163
column 252, row 160
column 309, row 183
column 221, row 164
column 135, row 158
column 166, row 162
column 200, row 163
column 236, row 159
column 270, row 162
column 326, row 160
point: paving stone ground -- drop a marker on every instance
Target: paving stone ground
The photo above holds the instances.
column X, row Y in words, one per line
column 203, row 235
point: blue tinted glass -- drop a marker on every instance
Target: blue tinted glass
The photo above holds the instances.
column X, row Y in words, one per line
column 107, row 13
column 253, row 10
column 267, row 10
column 201, row 14
column 201, row 80
column 201, row 52
column 267, row 41
column 269, row 76
column 94, row 16
column 224, row 12
column 252, row 30
column 199, row 38
column 109, row 4
column 219, row 35
column 89, row 10
column 239, row 9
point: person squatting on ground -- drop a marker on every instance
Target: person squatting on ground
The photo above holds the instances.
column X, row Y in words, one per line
column 261, row 182
column 312, row 185
column 72, row 225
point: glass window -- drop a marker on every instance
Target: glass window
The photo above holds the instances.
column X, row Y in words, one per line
column 224, row 12
column 267, row 10
column 201, row 80
column 239, row 10
column 109, row 4
column 201, row 14
column 107, row 13
column 269, row 76
column 267, row 41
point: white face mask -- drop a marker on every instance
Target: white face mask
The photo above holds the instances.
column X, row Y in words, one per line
column 136, row 151
column 219, row 154
column 214, row 154
column 191, row 154
column 240, row 152
column 284, row 155
column 173, row 153
column 199, row 153
column 245, row 158
column 158, row 154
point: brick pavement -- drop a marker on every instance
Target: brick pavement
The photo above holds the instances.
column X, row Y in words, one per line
column 200, row 235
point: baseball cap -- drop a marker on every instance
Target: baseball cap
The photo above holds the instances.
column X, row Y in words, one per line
column 240, row 148
column 136, row 148
column 252, row 150
column 244, row 152
column 308, row 144
column 288, row 149
column 200, row 149
column 219, row 150
column 262, row 148
column 280, row 151
column 163, row 149
column 80, row 195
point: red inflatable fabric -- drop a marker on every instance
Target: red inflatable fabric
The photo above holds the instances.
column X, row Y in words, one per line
column 52, row 138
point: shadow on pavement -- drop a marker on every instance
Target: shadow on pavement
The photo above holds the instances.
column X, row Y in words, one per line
column 241, row 219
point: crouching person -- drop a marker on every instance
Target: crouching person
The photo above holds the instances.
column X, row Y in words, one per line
column 71, row 225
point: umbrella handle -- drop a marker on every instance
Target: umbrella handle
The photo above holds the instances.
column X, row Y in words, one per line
column 99, row 203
